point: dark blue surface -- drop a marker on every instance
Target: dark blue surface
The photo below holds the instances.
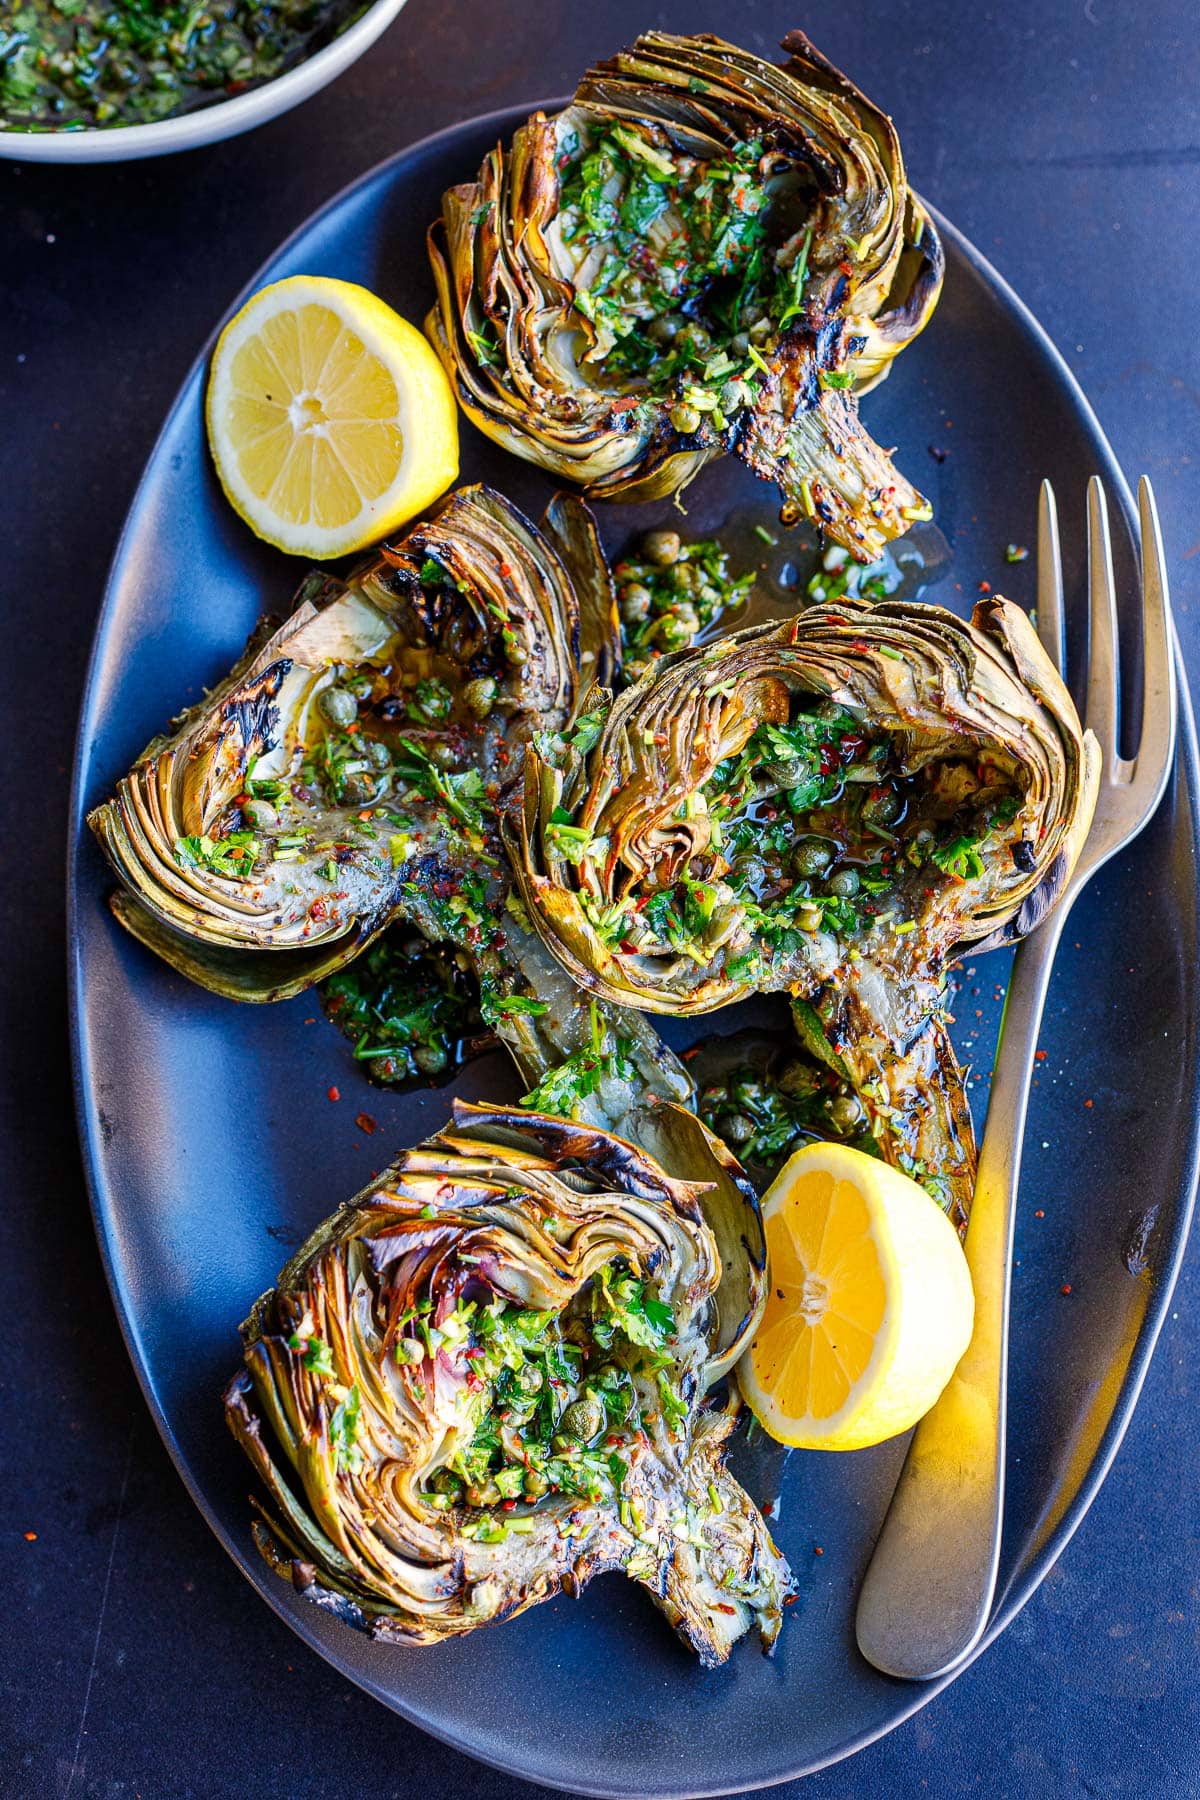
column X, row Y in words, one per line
column 122, row 1679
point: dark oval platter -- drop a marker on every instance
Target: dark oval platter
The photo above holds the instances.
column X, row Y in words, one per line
column 212, row 1147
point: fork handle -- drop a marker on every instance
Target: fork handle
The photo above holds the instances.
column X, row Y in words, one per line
column 928, row 1591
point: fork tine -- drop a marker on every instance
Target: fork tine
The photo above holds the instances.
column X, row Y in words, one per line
column 1159, row 701
column 1103, row 683
column 1051, row 623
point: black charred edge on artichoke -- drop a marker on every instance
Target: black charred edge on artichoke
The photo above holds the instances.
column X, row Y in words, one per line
column 568, row 1143
column 253, row 713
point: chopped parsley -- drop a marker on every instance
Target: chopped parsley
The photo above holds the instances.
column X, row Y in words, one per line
column 232, row 856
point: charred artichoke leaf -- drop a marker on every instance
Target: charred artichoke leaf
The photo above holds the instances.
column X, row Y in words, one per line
column 703, row 253
column 478, row 1385
column 346, row 771
column 692, row 855
column 829, row 807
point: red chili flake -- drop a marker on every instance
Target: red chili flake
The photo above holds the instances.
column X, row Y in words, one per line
column 723, row 1606
column 471, row 1352
column 508, row 1506
column 317, row 910
column 31, row 1537
column 366, row 1123
column 1039, row 1214
column 1040, row 1055
column 985, row 587
column 817, row 1550
column 1065, row 1288
column 611, row 1440
column 334, row 1093
column 1089, row 1104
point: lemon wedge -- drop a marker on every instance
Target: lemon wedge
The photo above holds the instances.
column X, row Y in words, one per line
column 330, row 419
column 870, row 1303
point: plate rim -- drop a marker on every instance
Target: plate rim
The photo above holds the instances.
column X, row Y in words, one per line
column 1185, row 779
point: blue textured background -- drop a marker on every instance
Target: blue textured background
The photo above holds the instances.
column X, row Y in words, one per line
column 1063, row 138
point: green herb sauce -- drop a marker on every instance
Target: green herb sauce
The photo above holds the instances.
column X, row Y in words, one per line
column 686, row 270
column 77, row 64
column 670, row 594
column 408, row 1008
column 555, row 1396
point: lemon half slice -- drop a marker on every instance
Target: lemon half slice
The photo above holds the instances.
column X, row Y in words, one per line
column 330, row 418
column 870, row 1303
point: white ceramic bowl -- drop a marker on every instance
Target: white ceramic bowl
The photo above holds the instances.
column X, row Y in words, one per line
column 221, row 119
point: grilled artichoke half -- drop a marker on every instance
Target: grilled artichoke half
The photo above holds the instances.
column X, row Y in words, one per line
column 828, row 807
column 348, row 768
column 479, row 1384
column 703, row 253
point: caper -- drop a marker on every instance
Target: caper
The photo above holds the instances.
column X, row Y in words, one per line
column 696, row 337
column 515, row 653
column 789, row 771
column 359, row 788
column 749, row 871
column 483, row 1493
column 809, row 917
column 761, row 330
column 529, row 1378
column 479, row 696
column 812, row 856
column 662, row 547
column 536, row 1484
column 443, row 755
column 798, row 1080
column 663, row 330
column 689, row 578
column 739, row 343
column 882, row 806
column 582, row 1420
column 737, row 1129
column 338, row 706
column 686, row 616
column 634, row 603
column 685, row 419
column 844, row 883
column 377, row 753
column 845, row 1113
column 259, row 815
column 431, row 1059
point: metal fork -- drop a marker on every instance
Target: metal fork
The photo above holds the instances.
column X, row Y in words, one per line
column 928, row 1591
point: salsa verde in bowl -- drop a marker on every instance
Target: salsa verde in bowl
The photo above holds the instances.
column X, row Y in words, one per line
column 103, row 80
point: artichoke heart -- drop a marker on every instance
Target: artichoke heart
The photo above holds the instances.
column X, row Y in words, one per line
column 828, row 807
column 347, row 770
column 703, row 253
column 479, row 1384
